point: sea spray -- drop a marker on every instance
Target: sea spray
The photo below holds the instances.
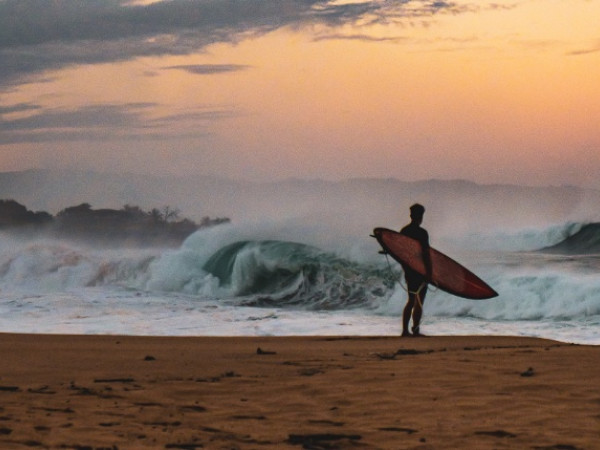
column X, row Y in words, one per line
column 270, row 272
column 274, row 278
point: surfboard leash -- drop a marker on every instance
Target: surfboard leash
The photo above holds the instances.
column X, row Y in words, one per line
column 417, row 293
column 399, row 279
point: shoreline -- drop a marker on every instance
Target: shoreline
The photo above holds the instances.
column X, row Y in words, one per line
column 109, row 391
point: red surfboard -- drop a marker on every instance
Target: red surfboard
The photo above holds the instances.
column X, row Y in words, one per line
column 447, row 274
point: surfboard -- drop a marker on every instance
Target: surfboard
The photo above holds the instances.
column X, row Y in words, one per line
column 447, row 274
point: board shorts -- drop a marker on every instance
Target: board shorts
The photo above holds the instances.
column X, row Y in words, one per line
column 415, row 282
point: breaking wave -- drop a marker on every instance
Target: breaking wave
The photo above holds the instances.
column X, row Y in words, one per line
column 286, row 273
column 580, row 239
column 258, row 268
column 562, row 238
column 248, row 272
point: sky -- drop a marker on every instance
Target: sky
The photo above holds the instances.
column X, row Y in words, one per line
column 493, row 92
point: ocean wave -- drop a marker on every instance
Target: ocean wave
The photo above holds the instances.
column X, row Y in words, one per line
column 580, row 239
column 529, row 291
column 50, row 266
column 237, row 266
column 526, row 239
column 279, row 273
column 249, row 273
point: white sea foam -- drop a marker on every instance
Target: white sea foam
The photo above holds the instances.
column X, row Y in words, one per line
column 52, row 286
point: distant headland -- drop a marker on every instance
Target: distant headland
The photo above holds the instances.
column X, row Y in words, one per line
column 127, row 226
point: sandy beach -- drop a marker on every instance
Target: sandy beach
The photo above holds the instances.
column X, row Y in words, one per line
column 115, row 392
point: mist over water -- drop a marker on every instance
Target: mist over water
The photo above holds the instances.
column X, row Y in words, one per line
column 298, row 259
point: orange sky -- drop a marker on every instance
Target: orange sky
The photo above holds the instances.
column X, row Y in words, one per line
column 494, row 94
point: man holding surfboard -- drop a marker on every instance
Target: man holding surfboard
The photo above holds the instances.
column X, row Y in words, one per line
column 416, row 283
column 425, row 265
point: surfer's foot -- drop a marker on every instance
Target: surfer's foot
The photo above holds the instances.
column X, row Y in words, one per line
column 416, row 332
column 406, row 334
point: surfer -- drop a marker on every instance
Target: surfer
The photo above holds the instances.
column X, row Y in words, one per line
column 416, row 284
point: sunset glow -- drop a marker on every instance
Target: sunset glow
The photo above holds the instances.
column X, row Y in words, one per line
column 505, row 92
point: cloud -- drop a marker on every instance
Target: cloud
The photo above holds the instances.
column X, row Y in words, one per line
column 357, row 37
column 97, row 122
column 208, row 69
column 209, row 115
column 21, row 107
column 587, row 51
column 41, row 35
column 94, row 116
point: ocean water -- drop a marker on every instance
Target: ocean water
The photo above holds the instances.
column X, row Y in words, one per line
column 260, row 279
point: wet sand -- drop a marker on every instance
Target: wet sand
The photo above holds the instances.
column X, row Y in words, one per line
column 115, row 392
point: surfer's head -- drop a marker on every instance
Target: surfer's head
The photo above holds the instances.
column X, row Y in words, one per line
column 417, row 211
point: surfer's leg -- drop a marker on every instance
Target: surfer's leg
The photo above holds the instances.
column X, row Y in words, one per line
column 407, row 313
column 417, row 311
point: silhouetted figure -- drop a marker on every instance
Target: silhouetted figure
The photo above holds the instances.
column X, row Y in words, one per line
column 415, row 282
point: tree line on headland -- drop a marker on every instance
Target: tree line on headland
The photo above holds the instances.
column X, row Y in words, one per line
column 129, row 225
